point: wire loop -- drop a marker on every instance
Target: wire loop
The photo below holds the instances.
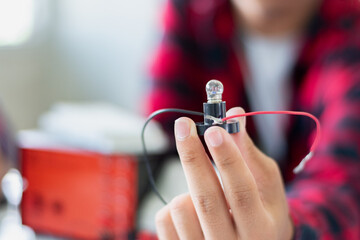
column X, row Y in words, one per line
column 176, row 110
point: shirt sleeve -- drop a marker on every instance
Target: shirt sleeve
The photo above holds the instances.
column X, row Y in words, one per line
column 324, row 199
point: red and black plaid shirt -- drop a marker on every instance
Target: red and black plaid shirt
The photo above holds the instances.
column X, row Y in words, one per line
column 198, row 46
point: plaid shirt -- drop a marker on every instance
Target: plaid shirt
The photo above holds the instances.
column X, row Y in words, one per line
column 198, row 45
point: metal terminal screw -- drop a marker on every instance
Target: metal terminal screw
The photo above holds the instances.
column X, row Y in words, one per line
column 216, row 120
column 214, row 91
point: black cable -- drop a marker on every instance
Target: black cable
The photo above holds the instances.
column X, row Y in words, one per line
column 145, row 153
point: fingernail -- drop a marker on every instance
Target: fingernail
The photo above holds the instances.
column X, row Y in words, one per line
column 243, row 123
column 213, row 137
column 182, row 129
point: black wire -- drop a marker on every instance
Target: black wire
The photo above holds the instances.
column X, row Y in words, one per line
column 145, row 153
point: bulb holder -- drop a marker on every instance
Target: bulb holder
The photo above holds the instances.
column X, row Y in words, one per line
column 217, row 110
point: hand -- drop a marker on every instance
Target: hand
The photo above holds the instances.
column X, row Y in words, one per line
column 252, row 203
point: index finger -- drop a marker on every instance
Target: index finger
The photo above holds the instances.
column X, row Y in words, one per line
column 204, row 186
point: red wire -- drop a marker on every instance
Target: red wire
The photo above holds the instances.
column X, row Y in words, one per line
column 318, row 127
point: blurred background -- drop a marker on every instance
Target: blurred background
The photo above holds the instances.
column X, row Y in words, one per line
column 73, row 78
column 52, row 50
column 55, row 51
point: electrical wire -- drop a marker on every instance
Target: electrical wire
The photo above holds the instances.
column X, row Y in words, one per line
column 145, row 153
column 301, row 165
column 317, row 122
column 176, row 110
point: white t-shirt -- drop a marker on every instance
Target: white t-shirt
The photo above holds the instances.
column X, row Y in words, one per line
column 269, row 64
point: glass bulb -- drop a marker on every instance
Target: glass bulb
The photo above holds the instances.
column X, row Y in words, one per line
column 214, row 91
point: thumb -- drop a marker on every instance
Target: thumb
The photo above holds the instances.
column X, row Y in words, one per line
column 260, row 165
column 237, row 111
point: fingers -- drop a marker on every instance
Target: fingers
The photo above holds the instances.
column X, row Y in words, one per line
column 263, row 168
column 178, row 220
column 164, row 225
column 255, row 159
column 237, row 111
column 186, row 222
column 204, row 186
column 239, row 185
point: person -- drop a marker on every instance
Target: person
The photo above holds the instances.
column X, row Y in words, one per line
column 269, row 55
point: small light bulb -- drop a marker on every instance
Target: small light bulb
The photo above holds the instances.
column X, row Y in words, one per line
column 214, row 90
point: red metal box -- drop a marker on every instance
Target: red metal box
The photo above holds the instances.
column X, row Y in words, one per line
column 79, row 194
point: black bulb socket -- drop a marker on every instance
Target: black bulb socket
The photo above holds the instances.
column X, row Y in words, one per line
column 217, row 110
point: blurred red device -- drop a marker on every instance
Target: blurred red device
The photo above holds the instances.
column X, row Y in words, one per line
column 79, row 194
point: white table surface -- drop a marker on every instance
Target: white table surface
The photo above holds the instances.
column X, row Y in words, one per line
column 38, row 236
